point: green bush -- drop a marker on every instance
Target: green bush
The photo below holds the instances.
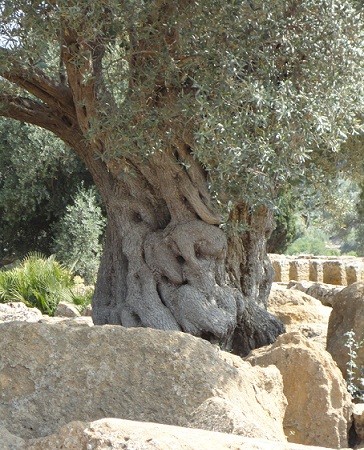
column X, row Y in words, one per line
column 314, row 242
column 38, row 282
column 77, row 241
column 351, row 253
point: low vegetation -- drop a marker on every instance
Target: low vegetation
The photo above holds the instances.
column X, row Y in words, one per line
column 355, row 381
column 42, row 283
column 313, row 242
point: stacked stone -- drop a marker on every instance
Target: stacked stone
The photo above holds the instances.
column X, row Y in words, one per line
column 338, row 271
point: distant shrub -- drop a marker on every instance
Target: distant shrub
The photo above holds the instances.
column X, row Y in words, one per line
column 351, row 253
column 38, row 282
column 314, row 242
column 77, row 239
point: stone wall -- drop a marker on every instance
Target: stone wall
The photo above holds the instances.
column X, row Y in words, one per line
column 341, row 271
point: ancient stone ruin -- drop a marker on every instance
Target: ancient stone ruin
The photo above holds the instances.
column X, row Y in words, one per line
column 341, row 271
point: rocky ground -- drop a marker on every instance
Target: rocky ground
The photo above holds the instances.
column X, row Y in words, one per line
column 66, row 384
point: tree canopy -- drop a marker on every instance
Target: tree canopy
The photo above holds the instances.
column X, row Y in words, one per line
column 266, row 89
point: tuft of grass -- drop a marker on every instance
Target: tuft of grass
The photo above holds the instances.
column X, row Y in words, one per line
column 82, row 298
column 38, row 282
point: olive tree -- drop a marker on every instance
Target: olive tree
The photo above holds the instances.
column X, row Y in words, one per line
column 190, row 116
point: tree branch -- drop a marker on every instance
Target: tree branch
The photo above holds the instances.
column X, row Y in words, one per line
column 28, row 110
column 36, row 113
column 65, row 127
column 83, row 59
column 34, row 81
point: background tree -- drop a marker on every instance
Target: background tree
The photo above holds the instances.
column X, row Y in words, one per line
column 77, row 241
column 38, row 177
column 190, row 116
column 330, row 225
column 327, row 204
column 286, row 228
column 360, row 229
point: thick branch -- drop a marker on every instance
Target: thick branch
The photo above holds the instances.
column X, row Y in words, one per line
column 33, row 112
column 83, row 63
column 34, row 81
column 67, row 129
column 36, row 113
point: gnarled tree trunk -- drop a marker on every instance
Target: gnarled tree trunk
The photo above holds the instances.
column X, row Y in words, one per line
column 168, row 265
column 250, row 270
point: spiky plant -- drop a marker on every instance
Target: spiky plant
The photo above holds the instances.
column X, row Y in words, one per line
column 38, row 282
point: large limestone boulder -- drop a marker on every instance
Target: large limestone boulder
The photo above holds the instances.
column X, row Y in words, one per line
column 70, row 321
column 300, row 312
column 319, row 406
column 292, row 306
column 123, row 434
column 51, row 375
column 10, row 312
column 347, row 315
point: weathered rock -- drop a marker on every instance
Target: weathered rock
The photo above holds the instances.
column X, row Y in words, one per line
column 10, row 312
column 316, row 270
column 334, row 272
column 281, row 269
column 53, row 374
column 319, row 406
column 280, row 285
column 354, row 272
column 65, row 309
column 71, row 321
column 220, row 414
column 347, row 315
column 292, row 306
column 300, row 285
column 87, row 311
column 9, row 441
column 323, row 292
column 299, row 269
column 300, row 312
column 358, row 417
column 127, row 435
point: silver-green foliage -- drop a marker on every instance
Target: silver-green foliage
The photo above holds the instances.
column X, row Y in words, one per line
column 78, row 239
column 313, row 242
column 285, row 94
column 271, row 89
column 355, row 382
column 31, row 160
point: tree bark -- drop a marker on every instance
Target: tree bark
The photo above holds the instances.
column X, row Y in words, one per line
column 163, row 265
column 250, row 270
column 168, row 265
